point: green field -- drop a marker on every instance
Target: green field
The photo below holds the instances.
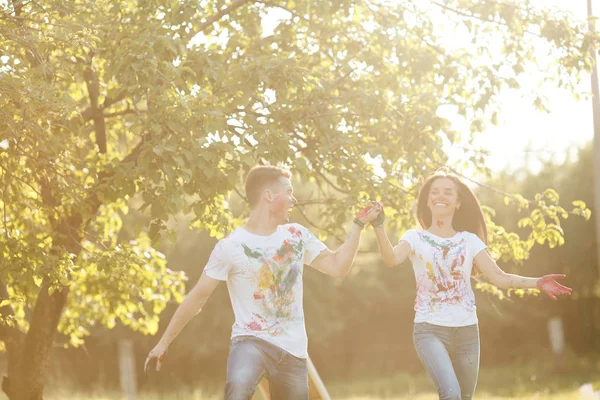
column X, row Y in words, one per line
column 537, row 380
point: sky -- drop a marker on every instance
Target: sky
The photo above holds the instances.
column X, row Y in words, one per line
column 524, row 131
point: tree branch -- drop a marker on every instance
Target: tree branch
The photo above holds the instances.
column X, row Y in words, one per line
column 18, row 20
column 397, row 187
column 32, row 54
column 6, row 171
column 18, row 6
column 473, row 16
column 93, row 87
column 339, row 189
column 109, row 101
column 4, row 216
column 88, row 113
column 5, row 311
column 240, row 194
column 483, row 185
column 330, row 233
column 326, row 201
column 286, row 8
column 342, row 77
column 226, row 11
column 124, row 112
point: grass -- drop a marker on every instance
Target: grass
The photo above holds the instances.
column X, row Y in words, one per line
column 200, row 395
column 533, row 380
column 524, row 381
column 187, row 394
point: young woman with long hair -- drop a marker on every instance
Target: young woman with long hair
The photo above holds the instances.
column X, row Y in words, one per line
column 444, row 253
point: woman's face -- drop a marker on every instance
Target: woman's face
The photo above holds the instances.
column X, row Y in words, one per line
column 443, row 198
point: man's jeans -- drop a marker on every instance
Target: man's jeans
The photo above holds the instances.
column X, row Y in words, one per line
column 450, row 356
column 250, row 359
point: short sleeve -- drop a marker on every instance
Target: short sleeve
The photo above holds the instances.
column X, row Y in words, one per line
column 218, row 266
column 411, row 238
column 312, row 245
column 476, row 244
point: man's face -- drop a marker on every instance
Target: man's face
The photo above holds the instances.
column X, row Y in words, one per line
column 282, row 200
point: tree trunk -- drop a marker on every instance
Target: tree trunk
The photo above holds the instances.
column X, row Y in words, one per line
column 32, row 370
column 28, row 368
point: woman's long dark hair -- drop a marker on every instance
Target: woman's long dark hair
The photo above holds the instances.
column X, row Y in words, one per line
column 469, row 217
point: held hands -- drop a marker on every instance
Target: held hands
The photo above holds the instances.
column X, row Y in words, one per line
column 380, row 218
column 158, row 353
column 369, row 214
column 548, row 285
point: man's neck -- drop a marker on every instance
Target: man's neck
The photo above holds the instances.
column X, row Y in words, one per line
column 261, row 222
column 442, row 227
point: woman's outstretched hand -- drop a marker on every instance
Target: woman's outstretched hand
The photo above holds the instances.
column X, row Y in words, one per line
column 548, row 285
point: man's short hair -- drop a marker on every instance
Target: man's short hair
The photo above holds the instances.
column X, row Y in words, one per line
column 261, row 176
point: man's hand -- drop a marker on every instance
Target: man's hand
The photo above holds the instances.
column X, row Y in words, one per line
column 548, row 285
column 158, row 353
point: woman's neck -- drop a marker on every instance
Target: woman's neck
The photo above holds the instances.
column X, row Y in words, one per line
column 442, row 226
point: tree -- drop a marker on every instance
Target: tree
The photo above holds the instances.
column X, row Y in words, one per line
column 169, row 102
column 577, row 258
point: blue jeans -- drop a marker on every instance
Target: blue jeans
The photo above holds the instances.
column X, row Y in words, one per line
column 450, row 356
column 251, row 359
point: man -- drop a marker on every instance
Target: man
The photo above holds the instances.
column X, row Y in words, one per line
column 262, row 263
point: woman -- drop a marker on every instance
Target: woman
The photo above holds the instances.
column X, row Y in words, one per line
column 444, row 253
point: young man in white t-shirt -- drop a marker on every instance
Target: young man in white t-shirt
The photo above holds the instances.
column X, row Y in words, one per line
column 262, row 263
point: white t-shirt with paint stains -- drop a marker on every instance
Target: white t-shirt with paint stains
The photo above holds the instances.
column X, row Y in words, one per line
column 264, row 279
column 442, row 269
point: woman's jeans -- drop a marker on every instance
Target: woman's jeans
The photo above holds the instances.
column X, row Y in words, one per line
column 251, row 359
column 450, row 356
